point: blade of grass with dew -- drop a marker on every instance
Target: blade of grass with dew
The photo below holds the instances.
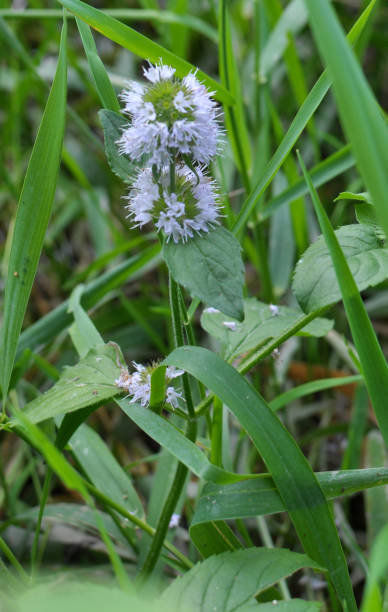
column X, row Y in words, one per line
column 33, row 214
column 373, row 363
column 293, row 476
column 102, row 83
column 360, row 113
column 234, row 115
column 297, row 126
column 260, row 496
column 140, row 45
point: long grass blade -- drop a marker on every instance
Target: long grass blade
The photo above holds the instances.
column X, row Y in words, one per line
column 360, row 113
column 373, row 363
column 33, row 215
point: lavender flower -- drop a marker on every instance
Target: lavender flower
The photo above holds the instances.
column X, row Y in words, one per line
column 138, row 384
column 192, row 207
column 170, row 117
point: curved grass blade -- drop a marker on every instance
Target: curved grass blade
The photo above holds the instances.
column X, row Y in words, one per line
column 297, row 126
column 312, row 387
column 140, row 45
column 101, row 80
column 294, row 479
column 33, row 215
column 360, row 114
column 373, row 363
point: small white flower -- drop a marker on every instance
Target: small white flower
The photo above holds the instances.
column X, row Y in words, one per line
column 169, row 117
column 193, row 207
column 174, row 521
column 274, row 310
column 231, row 325
column 138, row 384
column 212, row 310
column 158, row 72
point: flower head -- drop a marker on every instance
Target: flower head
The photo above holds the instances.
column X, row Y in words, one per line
column 138, row 384
column 169, row 117
column 192, row 207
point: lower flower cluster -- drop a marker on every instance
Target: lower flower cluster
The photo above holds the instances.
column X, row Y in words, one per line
column 138, row 384
column 191, row 207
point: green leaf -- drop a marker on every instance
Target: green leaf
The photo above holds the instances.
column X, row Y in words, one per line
column 315, row 283
column 294, row 479
column 361, row 116
column 140, row 45
column 210, row 268
column 231, row 579
column 349, row 195
column 165, row 434
column 103, row 470
column 112, row 125
column 90, row 382
column 33, row 215
column 259, row 325
column 213, row 538
column 259, row 496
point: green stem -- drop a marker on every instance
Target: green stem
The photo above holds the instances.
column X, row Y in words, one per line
column 14, row 562
column 216, row 433
column 172, row 177
column 191, row 433
column 43, row 500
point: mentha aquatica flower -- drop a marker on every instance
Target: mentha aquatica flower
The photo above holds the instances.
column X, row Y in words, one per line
column 170, row 117
column 191, row 207
column 138, row 384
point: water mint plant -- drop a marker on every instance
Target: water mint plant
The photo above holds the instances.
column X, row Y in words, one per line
column 246, row 439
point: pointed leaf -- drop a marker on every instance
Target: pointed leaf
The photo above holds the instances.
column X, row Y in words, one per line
column 315, row 283
column 210, row 268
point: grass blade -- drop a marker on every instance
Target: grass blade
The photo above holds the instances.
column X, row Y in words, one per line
column 101, row 80
column 297, row 126
column 360, row 113
column 33, row 214
column 140, row 45
column 373, row 363
column 293, row 477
